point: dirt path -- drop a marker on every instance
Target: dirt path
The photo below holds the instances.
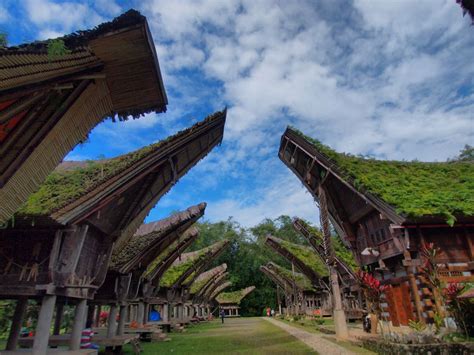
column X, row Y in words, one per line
column 314, row 341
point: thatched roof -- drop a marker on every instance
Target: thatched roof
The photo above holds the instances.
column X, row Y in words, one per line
column 234, row 297
column 413, row 190
column 206, row 292
column 118, row 193
column 221, row 287
column 165, row 259
column 296, row 278
column 206, row 277
column 303, row 257
column 153, row 238
column 344, row 259
column 185, row 269
column 49, row 103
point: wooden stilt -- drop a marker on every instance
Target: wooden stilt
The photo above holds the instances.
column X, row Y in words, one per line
column 16, row 323
column 146, row 313
column 78, row 325
column 58, row 319
column 98, row 310
column 165, row 313
column 40, row 344
column 121, row 324
column 112, row 321
column 141, row 312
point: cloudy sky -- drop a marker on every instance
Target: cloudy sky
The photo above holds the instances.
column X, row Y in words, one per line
column 386, row 78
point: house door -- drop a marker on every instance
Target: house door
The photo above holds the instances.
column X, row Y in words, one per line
column 399, row 304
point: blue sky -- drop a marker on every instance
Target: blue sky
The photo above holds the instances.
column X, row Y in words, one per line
column 390, row 79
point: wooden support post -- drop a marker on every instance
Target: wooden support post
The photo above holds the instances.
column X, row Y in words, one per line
column 112, row 321
column 58, row 319
column 147, row 313
column 97, row 315
column 15, row 329
column 78, row 325
column 165, row 315
column 339, row 315
column 121, row 324
column 141, row 313
column 40, row 344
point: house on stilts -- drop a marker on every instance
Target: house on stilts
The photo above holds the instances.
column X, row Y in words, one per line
column 385, row 211
column 62, row 238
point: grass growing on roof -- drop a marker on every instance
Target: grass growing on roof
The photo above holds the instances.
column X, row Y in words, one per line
column 341, row 251
column 175, row 272
column 160, row 259
column 230, row 297
column 414, row 189
column 62, row 187
column 307, row 256
column 300, row 279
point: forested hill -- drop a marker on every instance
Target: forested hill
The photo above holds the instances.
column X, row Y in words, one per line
column 248, row 252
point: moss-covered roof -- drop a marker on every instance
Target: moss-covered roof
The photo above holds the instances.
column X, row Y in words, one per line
column 305, row 254
column 65, row 185
column 186, row 262
column 414, row 189
column 301, row 281
column 187, row 237
column 341, row 251
column 235, row 296
column 203, row 279
column 153, row 234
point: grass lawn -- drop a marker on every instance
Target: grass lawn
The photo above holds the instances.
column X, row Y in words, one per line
column 236, row 336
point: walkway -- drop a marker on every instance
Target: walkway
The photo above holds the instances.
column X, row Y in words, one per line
column 314, row 341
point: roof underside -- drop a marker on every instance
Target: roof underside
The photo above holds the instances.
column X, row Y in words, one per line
column 151, row 239
column 50, row 103
column 405, row 191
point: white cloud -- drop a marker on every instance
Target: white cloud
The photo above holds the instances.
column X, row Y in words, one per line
column 386, row 78
column 55, row 18
column 281, row 197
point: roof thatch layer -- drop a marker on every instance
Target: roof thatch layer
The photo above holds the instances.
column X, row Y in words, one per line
column 65, row 188
column 206, row 292
column 304, row 257
column 296, row 278
column 186, row 268
column 413, row 189
column 204, row 278
column 49, row 103
column 314, row 236
column 164, row 260
column 153, row 238
column 234, row 297
column 221, row 287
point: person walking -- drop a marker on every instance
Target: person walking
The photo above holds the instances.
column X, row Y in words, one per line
column 273, row 313
column 222, row 314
